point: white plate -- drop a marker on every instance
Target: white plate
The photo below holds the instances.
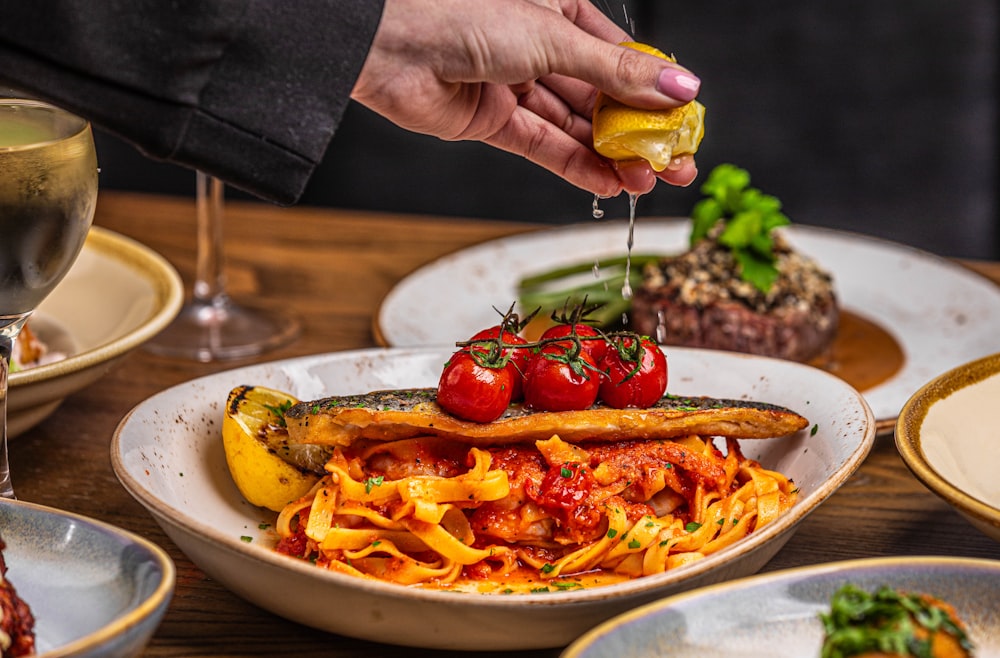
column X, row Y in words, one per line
column 96, row 591
column 168, row 454
column 940, row 313
column 118, row 295
column 749, row 618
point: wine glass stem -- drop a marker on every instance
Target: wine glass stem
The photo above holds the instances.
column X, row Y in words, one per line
column 10, row 326
column 210, row 277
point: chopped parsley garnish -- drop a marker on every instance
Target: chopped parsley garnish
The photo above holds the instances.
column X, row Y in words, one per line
column 373, row 482
column 279, row 411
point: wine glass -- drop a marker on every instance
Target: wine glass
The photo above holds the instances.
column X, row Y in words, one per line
column 48, row 192
column 211, row 326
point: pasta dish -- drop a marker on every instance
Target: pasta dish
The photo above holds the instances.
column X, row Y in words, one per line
column 435, row 508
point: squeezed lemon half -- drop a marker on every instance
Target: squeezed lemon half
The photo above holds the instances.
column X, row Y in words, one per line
column 624, row 133
column 267, row 470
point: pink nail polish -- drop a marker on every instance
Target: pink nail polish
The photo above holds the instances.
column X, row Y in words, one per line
column 678, row 84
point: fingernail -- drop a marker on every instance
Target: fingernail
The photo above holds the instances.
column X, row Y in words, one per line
column 678, row 84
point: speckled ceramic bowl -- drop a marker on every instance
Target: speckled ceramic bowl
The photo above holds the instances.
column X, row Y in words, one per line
column 947, row 435
column 776, row 614
column 96, row 591
column 168, row 454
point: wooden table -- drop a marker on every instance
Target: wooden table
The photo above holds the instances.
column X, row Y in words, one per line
column 332, row 268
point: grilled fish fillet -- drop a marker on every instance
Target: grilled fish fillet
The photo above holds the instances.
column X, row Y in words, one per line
column 406, row 413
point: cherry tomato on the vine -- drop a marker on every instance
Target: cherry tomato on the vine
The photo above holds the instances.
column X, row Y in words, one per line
column 518, row 356
column 591, row 340
column 558, row 380
column 636, row 374
column 471, row 389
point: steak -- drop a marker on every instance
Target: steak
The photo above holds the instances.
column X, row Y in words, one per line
column 697, row 299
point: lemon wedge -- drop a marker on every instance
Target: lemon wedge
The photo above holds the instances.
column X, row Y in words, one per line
column 267, row 470
column 625, row 133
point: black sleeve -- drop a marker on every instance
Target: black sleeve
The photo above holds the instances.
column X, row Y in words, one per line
column 250, row 91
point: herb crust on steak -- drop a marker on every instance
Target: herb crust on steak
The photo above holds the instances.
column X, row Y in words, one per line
column 698, row 299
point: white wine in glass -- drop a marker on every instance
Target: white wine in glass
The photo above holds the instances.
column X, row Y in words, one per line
column 211, row 326
column 48, row 192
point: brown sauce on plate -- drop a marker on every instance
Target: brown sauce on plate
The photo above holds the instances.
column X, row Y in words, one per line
column 863, row 354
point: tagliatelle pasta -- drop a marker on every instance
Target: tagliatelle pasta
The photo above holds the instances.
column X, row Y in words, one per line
column 549, row 515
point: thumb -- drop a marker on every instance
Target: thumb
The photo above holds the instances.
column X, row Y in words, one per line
column 628, row 75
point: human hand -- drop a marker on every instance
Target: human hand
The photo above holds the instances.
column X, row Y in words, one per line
column 522, row 76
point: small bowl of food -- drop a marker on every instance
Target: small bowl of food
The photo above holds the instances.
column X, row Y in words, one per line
column 898, row 606
column 77, row 587
column 947, row 437
column 118, row 295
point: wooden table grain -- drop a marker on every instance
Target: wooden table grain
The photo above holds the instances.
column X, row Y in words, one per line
column 331, row 268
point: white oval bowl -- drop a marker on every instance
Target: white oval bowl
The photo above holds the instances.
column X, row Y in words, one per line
column 167, row 452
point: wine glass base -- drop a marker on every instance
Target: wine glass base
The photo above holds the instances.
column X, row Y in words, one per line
column 221, row 329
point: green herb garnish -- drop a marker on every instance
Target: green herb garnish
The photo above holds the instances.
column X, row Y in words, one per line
column 749, row 216
column 373, row 482
column 885, row 621
column 279, row 411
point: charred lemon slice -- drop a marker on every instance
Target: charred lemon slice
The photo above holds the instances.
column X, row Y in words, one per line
column 267, row 470
column 626, row 133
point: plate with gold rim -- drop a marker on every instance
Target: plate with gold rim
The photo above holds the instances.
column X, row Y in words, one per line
column 118, row 294
column 946, row 436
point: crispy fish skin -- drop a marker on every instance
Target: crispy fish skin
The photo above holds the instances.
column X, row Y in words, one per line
column 406, row 413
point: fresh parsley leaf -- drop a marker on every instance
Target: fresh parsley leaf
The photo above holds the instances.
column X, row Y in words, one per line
column 748, row 215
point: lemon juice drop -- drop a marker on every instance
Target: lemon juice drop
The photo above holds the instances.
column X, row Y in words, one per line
column 596, row 211
column 627, row 286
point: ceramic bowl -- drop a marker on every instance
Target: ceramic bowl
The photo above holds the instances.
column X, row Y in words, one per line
column 118, row 295
column 777, row 614
column 167, row 452
column 96, row 591
column 946, row 434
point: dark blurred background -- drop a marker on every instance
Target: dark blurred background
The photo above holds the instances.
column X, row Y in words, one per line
column 874, row 117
